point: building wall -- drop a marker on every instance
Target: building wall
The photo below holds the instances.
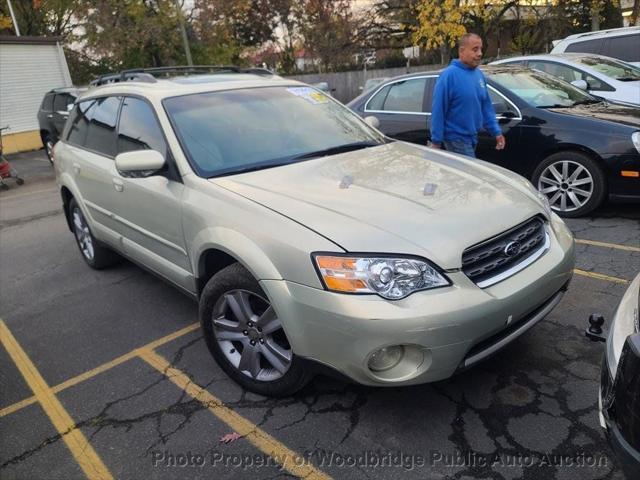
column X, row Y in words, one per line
column 27, row 72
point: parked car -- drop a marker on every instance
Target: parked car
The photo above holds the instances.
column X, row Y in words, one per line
column 620, row 43
column 311, row 241
column 575, row 148
column 605, row 77
column 53, row 114
column 620, row 382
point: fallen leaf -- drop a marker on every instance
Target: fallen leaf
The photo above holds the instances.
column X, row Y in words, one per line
column 230, row 437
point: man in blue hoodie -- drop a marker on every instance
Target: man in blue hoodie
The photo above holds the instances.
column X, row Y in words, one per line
column 461, row 102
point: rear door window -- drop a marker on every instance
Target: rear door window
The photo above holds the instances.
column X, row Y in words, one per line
column 139, row 128
column 62, row 101
column 377, row 101
column 47, row 102
column 586, row 46
column 101, row 137
column 625, row 48
column 406, row 96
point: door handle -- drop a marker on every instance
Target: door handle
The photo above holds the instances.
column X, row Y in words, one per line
column 118, row 184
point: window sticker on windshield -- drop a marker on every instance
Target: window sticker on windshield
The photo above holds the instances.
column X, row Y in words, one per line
column 309, row 94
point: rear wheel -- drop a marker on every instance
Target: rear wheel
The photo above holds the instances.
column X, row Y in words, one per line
column 49, row 143
column 94, row 253
column 245, row 335
column 572, row 181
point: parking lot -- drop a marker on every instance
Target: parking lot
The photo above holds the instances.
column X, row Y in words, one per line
column 106, row 375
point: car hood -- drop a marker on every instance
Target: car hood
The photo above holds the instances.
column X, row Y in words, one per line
column 395, row 198
column 629, row 116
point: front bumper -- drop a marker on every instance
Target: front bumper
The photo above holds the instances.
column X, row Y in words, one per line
column 437, row 328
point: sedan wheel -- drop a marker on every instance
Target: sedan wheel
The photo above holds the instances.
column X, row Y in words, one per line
column 567, row 185
column 572, row 182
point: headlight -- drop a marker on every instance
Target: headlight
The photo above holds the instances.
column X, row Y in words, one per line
column 392, row 278
column 625, row 323
column 635, row 138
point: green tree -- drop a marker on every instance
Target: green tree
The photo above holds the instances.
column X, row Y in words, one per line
column 132, row 33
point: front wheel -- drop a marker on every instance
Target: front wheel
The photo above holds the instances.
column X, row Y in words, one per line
column 572, row 181
column 245, row 336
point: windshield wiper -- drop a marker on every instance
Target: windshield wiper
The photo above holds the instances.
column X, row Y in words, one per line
column 348, row 147
column 631, row 78
column 253, row 168
column 589, row 101
column 555, row 105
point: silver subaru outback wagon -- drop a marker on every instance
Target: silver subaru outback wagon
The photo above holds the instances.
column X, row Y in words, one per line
column 311, row 241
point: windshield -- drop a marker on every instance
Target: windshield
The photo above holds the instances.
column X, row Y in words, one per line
column 541, row 90
column 236, row 131
column 611, row 68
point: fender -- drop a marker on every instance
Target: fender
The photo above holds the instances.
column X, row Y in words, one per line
column 237, row 245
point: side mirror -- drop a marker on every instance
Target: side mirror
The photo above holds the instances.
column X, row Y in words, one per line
column 139, row 161
column 581, row 84
column 372, row 121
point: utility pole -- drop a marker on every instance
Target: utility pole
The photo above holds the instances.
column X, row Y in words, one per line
column 183, row 32
column 13, row 18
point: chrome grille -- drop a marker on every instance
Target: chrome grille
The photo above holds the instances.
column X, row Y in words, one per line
column 498, row 255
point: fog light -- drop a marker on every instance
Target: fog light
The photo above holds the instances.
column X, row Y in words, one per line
column 386, row 358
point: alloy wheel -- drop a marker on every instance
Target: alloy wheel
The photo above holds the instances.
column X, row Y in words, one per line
column 567, row 184
column 251, row 336
column 49, row 146
column 81, row 230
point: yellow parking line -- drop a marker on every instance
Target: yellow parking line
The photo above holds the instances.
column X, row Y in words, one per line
column 600, row 276
column 81, row 450
column 617, row 246
column 100, row 369
column 291, row 461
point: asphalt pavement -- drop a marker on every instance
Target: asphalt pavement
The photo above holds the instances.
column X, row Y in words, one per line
column 106, row 375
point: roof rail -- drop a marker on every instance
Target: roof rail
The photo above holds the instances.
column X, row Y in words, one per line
column 148, row 75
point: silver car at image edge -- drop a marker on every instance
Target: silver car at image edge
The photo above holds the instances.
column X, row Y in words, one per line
column 312, row 242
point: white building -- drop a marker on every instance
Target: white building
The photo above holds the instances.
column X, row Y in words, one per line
column 29, row 68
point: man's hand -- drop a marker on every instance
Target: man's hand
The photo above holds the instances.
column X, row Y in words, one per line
column 500, row 142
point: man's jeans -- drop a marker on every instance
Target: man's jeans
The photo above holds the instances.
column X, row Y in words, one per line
column 461, row 147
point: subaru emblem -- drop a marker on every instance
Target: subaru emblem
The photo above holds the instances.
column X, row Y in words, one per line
column 512, row 249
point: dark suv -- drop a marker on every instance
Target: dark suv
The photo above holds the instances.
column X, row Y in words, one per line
column 53, row 114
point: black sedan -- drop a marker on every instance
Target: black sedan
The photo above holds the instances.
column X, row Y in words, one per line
column 575, row 148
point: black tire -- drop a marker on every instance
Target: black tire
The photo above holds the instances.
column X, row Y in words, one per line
column 49, row 141
column 20, row 181
column 230, row 281
column 553, row 177
column 99, row 256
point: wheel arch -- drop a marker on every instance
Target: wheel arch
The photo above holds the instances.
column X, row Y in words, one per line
column 229, row 247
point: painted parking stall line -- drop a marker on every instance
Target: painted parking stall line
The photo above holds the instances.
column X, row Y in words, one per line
column 82, row 451
column 600, row 276
column 615, row 246
column 101, row 369
column 290, row 461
